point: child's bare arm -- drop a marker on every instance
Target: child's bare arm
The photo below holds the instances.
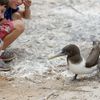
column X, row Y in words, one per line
column 27, row 12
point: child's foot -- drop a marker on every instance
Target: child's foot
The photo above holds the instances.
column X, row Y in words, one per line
column 4, row 66
column 7, row 55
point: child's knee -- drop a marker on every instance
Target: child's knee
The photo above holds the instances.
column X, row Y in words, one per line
column 19, row 25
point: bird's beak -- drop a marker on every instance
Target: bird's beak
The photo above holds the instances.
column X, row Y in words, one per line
column 58, row 55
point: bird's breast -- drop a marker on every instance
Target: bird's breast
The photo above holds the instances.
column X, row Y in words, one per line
column 80, row 68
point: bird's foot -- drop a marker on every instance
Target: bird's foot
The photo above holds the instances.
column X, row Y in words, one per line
column 74, row 78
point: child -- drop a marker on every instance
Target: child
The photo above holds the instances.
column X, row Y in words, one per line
column 9, row 32
column 16, row 24
column 14, row 14
column 3, row 4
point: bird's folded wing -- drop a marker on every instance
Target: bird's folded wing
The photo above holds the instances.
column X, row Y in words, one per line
column 93, row 58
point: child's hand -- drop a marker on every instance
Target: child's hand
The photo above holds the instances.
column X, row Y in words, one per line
column 27, row 3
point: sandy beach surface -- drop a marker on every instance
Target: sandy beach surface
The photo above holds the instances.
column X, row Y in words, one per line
column 54, row 24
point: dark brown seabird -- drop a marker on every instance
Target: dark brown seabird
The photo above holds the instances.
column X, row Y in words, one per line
column 76, row 63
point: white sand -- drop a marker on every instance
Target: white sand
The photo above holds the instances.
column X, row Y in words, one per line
column 54, row 24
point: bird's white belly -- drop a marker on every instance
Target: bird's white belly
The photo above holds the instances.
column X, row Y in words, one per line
column 80, row 68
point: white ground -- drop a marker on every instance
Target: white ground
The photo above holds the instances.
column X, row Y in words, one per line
column 54, row 24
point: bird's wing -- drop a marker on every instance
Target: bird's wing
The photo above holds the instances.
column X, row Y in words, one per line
column 93, row 57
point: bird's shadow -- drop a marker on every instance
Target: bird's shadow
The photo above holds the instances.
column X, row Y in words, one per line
column 82, row 80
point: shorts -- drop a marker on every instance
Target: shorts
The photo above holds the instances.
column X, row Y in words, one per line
column 6, row 28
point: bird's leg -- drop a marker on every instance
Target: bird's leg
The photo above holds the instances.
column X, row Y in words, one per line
column 75, row 77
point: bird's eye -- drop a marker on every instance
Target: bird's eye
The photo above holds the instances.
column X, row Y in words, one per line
column 63, row 51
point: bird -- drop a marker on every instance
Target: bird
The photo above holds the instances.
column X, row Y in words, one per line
column 77, row 63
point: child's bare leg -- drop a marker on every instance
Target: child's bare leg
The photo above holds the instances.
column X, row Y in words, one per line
column 1, row 45
column 19, row 28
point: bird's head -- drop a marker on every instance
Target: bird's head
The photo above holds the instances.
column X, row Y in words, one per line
column 69, row 50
